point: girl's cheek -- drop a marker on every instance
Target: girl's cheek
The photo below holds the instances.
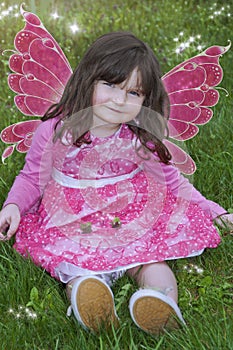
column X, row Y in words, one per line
column 99, row 98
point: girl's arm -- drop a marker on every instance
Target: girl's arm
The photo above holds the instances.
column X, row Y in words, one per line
column 169, row 176
column 28, row 186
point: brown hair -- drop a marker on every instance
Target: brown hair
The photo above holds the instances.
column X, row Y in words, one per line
column 112, row 57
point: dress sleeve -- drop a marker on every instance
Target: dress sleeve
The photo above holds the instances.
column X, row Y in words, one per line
column 170, row 176
column 29, row 185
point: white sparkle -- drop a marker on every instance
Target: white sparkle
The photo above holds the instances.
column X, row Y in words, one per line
column 74, row 28
column 55, row 15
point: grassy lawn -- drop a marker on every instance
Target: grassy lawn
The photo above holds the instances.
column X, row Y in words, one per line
column 32, row 304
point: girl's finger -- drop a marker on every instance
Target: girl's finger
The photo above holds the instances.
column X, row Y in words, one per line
column 2, row 237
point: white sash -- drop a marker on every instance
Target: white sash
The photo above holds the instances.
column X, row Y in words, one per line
column 68, row 181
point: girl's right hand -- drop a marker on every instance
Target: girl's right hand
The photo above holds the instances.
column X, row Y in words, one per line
column 9, row 221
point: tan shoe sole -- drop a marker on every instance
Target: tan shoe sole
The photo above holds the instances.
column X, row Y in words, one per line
column 96, row 305
column 153, row 315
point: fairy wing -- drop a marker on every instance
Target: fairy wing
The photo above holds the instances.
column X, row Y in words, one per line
column 40, row 73
column 191, row 89
column 19, row 136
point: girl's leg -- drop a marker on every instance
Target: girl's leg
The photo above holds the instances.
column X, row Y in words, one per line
column 153, row 307
column 158, row 276
column 69, row 287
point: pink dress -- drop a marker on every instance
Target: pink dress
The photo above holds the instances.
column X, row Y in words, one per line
column 102, row 208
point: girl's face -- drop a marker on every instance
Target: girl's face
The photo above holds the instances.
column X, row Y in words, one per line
column 114, row 104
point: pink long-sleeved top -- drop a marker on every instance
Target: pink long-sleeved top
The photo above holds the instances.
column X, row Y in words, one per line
column 28, row 187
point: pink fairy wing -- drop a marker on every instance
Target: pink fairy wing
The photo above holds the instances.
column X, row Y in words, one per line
column 18, row 131
column 180, row 158
column 7, row 152
column 33, row 29
column 209, row 56
column 40, row 66
column 180, row 130
column 40, row 73
column 191, row 90
column 20, row 135
column 190, row 87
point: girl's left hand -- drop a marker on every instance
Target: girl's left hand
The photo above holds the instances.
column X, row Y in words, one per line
column 225, row 220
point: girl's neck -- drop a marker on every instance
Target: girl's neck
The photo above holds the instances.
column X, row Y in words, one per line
column 104, row 130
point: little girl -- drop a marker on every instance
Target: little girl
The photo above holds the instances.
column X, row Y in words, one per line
column 99, row 196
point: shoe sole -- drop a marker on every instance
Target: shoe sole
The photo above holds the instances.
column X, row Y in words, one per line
column 152, row 314
column 95, row 305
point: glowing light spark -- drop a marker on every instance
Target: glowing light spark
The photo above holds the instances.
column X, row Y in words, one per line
column 55, row 15
column 74, row 28
column 5, row 13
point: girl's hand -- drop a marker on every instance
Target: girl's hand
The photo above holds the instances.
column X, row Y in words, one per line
column 9, row 221
column 225, row 220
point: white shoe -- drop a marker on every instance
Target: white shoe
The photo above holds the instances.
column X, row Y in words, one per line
column 153, row 311
column 92, row 302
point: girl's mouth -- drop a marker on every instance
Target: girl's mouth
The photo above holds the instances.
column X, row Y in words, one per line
column 115, row 110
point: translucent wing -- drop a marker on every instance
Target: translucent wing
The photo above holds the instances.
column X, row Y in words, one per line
column 40, row 73
column 19, row 136
column 191, row 89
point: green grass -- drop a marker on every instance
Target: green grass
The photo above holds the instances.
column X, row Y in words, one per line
column 205, row 297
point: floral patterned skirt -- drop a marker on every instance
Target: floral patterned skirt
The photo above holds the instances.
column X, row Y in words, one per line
column 112, row 228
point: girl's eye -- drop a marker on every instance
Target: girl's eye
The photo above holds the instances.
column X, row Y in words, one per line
column 134, row 93
column 108, row 84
